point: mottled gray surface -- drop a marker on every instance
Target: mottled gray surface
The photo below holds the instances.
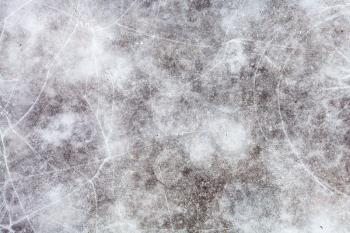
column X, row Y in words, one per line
column 185, row 116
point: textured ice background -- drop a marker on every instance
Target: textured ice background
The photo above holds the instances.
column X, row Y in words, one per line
column 185, row 116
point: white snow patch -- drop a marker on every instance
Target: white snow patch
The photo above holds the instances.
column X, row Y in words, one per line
column 122, row 223
column 228, row 134
column 200, row 149
column 61, row 128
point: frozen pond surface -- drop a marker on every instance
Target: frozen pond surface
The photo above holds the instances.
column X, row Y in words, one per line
column 186, row 116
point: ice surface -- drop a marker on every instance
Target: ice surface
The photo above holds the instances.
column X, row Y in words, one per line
column 188, row 116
